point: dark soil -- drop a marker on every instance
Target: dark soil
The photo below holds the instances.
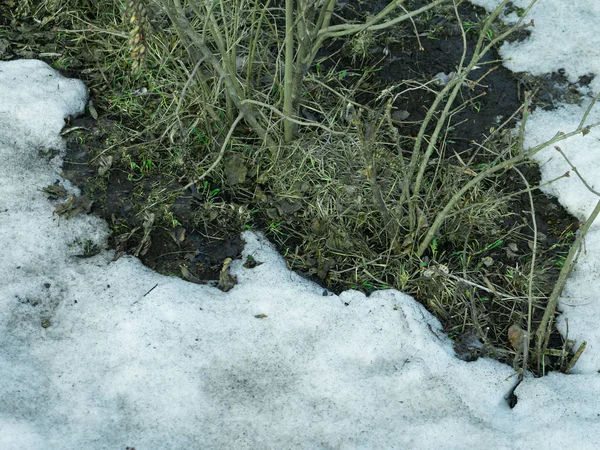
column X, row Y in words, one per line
column 201, row 254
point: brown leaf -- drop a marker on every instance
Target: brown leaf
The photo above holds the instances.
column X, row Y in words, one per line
column 515, row 336
column 105, row 165
column 73, row 206
column 93, row 111
column 55, row 191
column 178, row 234
column 226, row 280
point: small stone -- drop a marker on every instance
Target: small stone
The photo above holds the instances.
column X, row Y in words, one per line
column 441, row 79
column 400, row 115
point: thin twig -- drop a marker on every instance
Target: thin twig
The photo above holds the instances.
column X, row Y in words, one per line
column 184, row 90
column 574, row 169
column 527, row 337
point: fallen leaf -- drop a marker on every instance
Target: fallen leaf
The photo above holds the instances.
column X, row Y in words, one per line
column 177, row 234
column 74, row 206
column 93, row 111
column 105, row 165
column 516, row 336
column 55, row 191
column 226, row 280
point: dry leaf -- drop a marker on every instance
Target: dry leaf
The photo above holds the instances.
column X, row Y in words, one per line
column 73, row 206
column 177, row 234
column 105, row 165
column 515, row 336
column 93, row 111
column 226, row 280
column 55, row 191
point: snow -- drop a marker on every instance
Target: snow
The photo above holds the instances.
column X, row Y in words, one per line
column 564, row 36
column 120, row 364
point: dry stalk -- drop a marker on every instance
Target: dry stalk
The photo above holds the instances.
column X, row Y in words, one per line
column 137, row 36
column 527, row 337
column 176, row 14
